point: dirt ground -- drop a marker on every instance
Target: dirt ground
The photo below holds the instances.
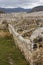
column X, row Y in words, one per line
column 3, row 34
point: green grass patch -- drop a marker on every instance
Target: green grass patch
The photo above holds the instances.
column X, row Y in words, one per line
column 8, row 49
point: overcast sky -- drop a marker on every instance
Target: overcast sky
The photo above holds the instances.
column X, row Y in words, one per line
column 20, row 3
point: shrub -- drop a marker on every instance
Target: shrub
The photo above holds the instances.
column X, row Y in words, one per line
column 39, row 39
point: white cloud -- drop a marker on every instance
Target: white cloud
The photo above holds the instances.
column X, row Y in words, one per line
column 20, row 3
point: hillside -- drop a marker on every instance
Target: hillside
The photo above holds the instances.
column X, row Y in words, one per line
column 9, row 53
column 10, row 10
column 2, row 12
column 36, row 9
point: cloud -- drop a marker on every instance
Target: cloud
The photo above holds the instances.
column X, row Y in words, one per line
column 41, row 2
column 20, row 3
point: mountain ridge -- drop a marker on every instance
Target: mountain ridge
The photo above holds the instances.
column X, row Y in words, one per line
column 19, row 9
column 37, row 9
column 10, row 10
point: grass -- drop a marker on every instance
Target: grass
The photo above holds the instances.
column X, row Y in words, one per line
column 9, row 51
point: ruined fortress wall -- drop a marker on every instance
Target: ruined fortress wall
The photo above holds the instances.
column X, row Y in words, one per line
column 23, row 44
